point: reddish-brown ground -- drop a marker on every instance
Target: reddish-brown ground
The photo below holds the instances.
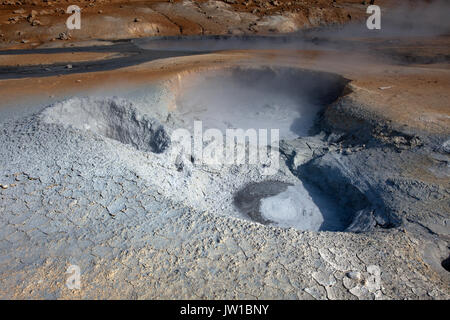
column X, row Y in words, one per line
column 30, row 23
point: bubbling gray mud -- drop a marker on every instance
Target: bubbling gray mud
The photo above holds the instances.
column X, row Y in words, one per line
column 280, row 98
column 248, row 200
column 285, row 205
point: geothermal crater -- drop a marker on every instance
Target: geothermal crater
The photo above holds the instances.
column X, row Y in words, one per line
column 290, row 100
column 286, row 99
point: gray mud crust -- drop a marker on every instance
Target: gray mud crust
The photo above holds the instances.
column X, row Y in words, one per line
column 140, row 228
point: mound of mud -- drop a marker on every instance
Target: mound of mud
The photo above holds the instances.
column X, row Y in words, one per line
column 113, row 118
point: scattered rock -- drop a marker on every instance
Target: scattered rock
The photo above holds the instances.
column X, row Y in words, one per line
column 137, row 20
column 69, row 66
column 73, row 203
column 13, row 19
column 116, row 206
column 63, row 36
column 179, row 163
column 354, row 275
column 446, row 146
column 347, row 151
column 4, row 186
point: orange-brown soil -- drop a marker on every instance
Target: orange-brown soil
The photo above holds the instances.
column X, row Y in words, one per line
column 30, row 23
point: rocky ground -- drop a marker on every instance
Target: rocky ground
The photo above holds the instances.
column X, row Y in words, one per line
column 34, row 23
column 90, row 178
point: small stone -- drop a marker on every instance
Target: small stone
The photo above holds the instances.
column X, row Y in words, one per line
column 348, row 283
column 137, row 20
column 63, row 36
column 115, row 207
column 446, row 146
column 73, row 203
column 4, row 186
column 69, row 66
column 354, row 275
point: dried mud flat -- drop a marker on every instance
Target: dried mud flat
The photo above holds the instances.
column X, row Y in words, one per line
column 91, row 177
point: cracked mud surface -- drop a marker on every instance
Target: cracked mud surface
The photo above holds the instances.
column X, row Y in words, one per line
column 131, row 242
column 75, row 197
